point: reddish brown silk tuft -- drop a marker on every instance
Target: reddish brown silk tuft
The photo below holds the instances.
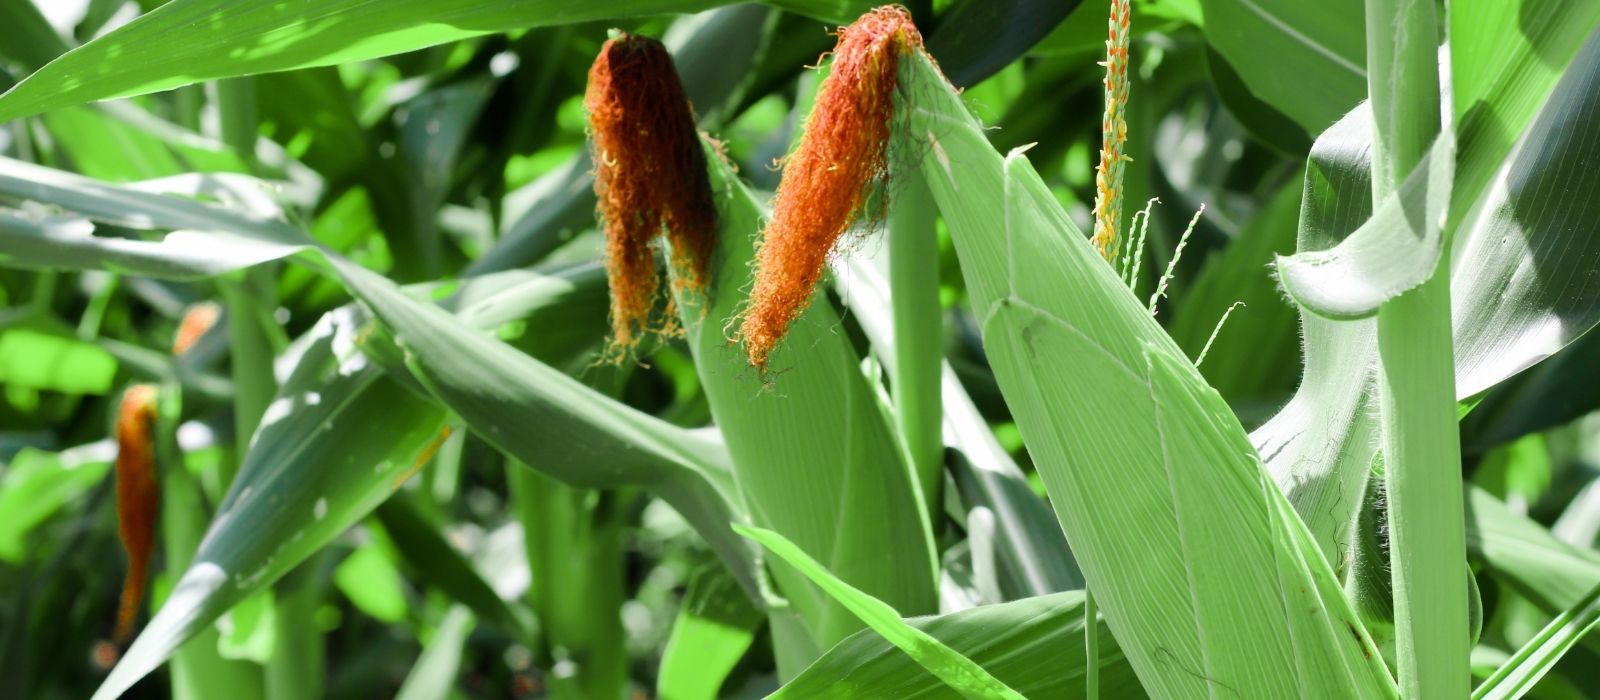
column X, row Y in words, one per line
column 650, row 173
column 827, row 179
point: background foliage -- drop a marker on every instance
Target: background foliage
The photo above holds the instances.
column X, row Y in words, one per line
column 396, row 468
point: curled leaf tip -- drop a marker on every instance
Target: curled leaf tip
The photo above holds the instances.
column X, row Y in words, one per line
column 826, row 181
column 138, row 500
column 650, row 175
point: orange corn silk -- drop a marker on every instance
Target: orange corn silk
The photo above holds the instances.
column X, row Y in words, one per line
column 826, row 181
column 650, row 175
column 138, row 500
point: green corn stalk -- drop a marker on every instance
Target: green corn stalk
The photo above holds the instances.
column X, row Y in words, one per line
column 1416, row 383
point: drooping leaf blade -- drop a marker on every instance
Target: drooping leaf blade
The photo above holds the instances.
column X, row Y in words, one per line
column 188, row 41
column 1034, row 645
column 957, row 671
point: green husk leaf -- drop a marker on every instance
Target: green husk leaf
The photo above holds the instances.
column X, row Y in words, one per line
column 1186, row 540
column 813, row 453
column 1031, row 555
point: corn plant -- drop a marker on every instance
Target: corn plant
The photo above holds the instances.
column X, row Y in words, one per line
column 430, row 348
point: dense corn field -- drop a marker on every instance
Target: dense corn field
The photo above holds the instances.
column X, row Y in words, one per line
column 809, row 348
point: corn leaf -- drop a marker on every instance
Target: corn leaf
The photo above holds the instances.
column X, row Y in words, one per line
column 1277, row 46
column 1394, row 251
column 434, row 675
column 1031, row 555
column 957, row 671
column 1527, row 259
column 287, row 502
column 713, row 630
column 1034, row 645
column 1518, row 675
column 491, row 385
column 188, row 41
column 1169, row 511
column 1550, row 573
column 1521, row 283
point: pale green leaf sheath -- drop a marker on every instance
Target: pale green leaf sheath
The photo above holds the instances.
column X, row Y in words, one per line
column 1207, row 579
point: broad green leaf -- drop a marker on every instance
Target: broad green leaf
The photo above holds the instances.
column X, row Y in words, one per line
column 1279, row 47
column 199, row 669
column 287, row 502
column 498, row 391
column 1034, row 645
column 1265, row 122
column 205, row 239
column 814, row 456
column 1518, row 675
column 189, row 41
column 1505, row 57
column 713, row 630
column 1394, row 251
column 1169, row 511
column 525, row 407
column 1554, row 392
column 1527, row 257
column 957, row 671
